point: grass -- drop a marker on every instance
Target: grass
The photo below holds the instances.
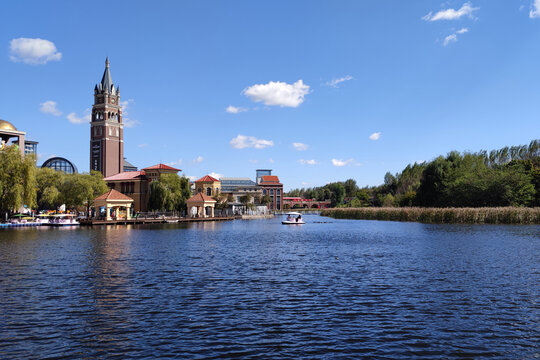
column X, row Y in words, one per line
column 496, row 215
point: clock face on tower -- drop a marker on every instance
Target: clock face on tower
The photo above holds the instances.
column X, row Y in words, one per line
column 112, row 101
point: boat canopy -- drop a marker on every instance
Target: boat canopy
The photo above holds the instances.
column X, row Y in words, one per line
column 293, row 213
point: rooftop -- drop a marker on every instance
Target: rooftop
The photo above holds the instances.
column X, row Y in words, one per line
column 269, row 180
column 114, row 195
column 201, row 197
column 161, row 167
column 207, row 178
column 126, row 175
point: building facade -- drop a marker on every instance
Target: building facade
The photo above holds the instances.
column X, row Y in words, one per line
column 106, row 128
column 272, row 187
column 154, row 172
column 208, row 185
column 133, row 184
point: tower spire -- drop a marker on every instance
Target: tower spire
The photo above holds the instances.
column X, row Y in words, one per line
column 106, row 81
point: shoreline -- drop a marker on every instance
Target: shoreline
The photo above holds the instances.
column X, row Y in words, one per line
column 485, row 215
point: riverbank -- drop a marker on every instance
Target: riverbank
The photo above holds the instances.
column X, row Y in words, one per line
column 498, row 215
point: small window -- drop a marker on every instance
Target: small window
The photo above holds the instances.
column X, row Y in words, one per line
column 209, row 191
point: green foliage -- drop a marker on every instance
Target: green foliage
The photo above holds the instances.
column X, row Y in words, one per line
column 350, row 188
column 17, row 180
column 169, row 192
column 506, row 177
column 81, row 189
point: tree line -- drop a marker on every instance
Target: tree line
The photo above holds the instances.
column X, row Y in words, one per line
column 506, row 177
column 22, row 183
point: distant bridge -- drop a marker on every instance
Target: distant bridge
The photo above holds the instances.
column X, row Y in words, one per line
column 299, row 203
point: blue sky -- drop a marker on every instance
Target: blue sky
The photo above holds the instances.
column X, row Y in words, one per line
column 318, row 91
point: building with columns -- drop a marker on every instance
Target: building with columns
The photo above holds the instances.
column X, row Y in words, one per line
column 106, row 128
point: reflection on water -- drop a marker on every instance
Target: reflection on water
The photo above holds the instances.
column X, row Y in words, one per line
column 343, row 289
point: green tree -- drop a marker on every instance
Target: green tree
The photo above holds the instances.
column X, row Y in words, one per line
column 17, row 180
column 49, row 188
column 337, row 193
column 350, row 188
column 82, row 189
column 246, row 200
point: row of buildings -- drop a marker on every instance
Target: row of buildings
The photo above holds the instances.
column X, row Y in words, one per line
column 107, row 156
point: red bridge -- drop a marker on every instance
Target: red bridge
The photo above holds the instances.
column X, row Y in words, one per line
column 297, row 202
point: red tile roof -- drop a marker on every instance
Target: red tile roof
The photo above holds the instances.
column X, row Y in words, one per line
column 161, row 167
column 270, row 180
column 207, row 178
column 201, row 197
column 114, row 195
column 126, row 175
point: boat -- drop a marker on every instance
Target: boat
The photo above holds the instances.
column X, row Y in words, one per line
column 62, row 220
column 293, row 218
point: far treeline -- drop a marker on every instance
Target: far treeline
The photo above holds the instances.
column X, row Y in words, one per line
column 506, row 177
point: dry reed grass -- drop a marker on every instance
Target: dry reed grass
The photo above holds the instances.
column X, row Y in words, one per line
column 496, row 215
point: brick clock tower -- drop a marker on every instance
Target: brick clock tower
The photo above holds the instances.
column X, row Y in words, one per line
column 106, row 128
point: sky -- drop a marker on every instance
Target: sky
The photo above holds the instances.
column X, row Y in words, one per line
column 318, row 91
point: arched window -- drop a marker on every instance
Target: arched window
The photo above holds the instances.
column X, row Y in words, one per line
column 209, row 191
column 199, row 190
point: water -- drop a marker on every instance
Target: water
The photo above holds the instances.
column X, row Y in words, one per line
column 257, row 289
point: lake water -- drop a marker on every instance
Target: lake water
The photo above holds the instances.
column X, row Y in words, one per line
column 256, row 289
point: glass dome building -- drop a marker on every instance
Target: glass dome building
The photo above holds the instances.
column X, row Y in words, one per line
column 60, row 164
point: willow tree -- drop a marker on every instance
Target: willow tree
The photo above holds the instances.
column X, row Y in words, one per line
column 17, row 180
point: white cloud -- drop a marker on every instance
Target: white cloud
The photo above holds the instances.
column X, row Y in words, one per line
column 300, row 146
column 375, row 136
column 191, row 177
column 126, row 120
column 278, row 93
column 175, row 163
column 449, row 39
column 336, row 82
column 49, row 107
column 340, row 162
column 74, row 119
column 271, row 161
column 198, row 159
column 308, row 162
column 129, row 123
column 450, row 14
column 535, row 10
column 454, row 37
column 242, row 141
column 216, row 175
column 235, row 110
column 33, row 51
column 142, row 145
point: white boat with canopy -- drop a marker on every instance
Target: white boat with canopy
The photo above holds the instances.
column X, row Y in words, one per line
column 293, row 218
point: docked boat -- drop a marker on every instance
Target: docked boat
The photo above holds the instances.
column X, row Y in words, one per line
column 293, row 218
column 62, row 220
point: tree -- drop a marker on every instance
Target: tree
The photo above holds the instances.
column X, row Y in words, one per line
column 350, row 188
column 266, row 200
column 158, row 196
column 17, row 180
column 169, row 192
column 246, row 200
column 50, row 185
column 82, row 189
column 337, row 193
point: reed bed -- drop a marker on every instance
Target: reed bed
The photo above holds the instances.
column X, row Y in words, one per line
column 487, row 215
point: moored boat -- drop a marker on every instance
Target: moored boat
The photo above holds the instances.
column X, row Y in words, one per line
column 62, row 220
